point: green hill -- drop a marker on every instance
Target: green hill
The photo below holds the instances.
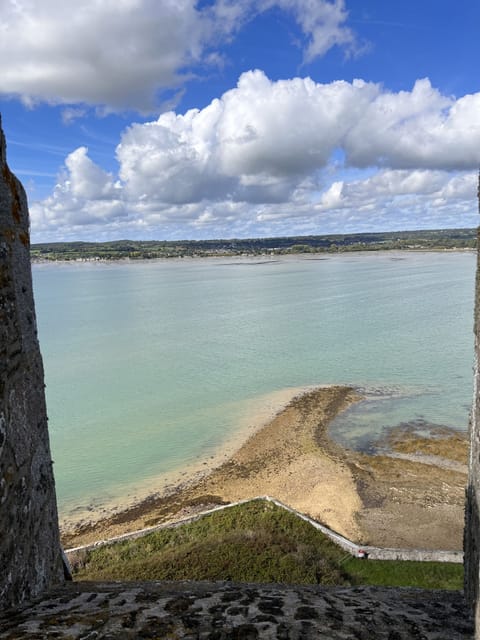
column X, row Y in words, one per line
column 437, row 239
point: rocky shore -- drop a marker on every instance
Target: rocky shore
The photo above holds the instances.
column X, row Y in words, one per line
column 410, row 496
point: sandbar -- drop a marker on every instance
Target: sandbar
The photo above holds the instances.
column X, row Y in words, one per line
column 408, row 496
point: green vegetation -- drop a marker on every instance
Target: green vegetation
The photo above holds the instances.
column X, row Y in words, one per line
column 255, row 542
column 441, row 239
column 405, row 573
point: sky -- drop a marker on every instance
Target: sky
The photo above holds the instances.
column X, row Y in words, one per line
column 176, row 119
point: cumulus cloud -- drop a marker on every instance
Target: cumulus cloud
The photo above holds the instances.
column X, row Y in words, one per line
column 261, row 155
column 117, row 53
column 254, row 144
column 391, row 186
column 122, row 54
column 86, row 179
column 420, row 128
column 259, row 141
column 85, row 195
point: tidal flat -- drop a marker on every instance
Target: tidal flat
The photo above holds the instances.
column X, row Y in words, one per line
column 408, row 496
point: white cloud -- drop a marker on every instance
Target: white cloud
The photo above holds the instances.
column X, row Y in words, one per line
column 255, row 144
column 324, row 25
column 401, row 199
column 389, row 186
column 261, row 156
column 418, row 128
column 70, row 114
column 118, row 53
column 84, row 196
column 86, row 179
column 261, row 140
column 122, row 54
column 332, row 197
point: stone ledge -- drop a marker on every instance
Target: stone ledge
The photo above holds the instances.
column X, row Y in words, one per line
column 229, row 611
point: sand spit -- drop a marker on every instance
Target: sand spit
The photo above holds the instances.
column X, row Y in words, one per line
column 377, row 500
column 253, row 415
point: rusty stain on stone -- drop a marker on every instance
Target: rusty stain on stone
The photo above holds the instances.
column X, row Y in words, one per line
column 9, row 234
column 12, row 183
column 24, row 238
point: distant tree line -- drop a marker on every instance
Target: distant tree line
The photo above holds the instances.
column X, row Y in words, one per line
column 430, row 240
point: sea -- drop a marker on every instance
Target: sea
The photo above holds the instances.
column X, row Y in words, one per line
column 152, row 367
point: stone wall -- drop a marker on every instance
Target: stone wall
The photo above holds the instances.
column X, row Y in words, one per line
column 472, row 510
column 231, row 611
column 356, row 550
column 30, row 557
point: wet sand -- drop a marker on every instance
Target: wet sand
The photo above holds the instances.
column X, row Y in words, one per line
column 252, row 417
column 413, row 494
column 413, row 500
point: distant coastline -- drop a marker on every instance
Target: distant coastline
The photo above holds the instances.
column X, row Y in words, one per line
column 428, row 240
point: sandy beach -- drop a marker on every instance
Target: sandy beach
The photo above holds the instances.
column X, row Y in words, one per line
column 409, row 496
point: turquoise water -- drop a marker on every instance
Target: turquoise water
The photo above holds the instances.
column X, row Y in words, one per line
column 150, row 365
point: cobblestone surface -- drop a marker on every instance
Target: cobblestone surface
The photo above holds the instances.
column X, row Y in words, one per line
column 227, row 611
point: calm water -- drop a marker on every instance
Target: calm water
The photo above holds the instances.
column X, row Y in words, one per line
column 149, row 366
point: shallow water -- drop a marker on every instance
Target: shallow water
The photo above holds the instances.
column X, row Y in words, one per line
column 152, row 366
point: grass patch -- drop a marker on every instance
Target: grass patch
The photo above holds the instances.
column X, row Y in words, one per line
column 405, row 573
column 255, row 542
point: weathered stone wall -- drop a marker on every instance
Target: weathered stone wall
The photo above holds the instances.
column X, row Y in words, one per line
column 230, row 611
column 472, row 511
column 30, row 557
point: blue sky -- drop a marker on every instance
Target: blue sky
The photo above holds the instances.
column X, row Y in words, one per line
column 170, row 119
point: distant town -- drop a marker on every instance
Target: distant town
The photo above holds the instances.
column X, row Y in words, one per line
column 432, row 240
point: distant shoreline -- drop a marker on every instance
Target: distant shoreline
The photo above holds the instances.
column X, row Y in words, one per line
column 247, row 258
column 408, row 500
column 424, row 240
